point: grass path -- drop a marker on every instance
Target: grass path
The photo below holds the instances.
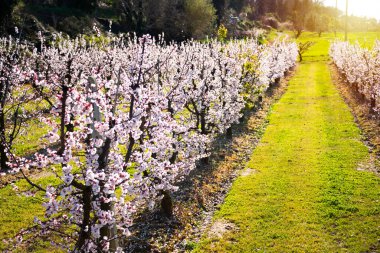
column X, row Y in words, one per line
column 306, row 192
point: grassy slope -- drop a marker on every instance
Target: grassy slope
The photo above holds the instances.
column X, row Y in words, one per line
column 307, row 194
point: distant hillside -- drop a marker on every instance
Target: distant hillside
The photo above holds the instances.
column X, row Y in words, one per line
column 178, row 19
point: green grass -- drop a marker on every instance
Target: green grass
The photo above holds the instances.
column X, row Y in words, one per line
column 319, row 52
column 29, row 138
column 307, row 194
column 18, row 211
column 29, row 141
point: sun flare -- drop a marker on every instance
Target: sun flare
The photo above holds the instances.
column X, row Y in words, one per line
column 368, row 8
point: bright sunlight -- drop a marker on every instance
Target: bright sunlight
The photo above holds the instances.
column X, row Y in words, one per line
column 368, row 8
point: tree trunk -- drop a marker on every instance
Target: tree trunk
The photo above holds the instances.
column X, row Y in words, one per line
column 173, row 158
column 229, row 133
column 277, row 81
column 85, row 230
column 300, row 55
column 140, row 18
column 3, row 153
column 167, row 204
column 65, row 90
column 109, row 231
column 241, row 120
column 205, row 160
column 3, row 159
column 299, row 32
column 373, row 106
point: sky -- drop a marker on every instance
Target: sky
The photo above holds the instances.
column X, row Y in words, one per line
column 368, row 8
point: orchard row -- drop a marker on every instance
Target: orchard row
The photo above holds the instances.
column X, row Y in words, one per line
column 128, row 118
column 361, row 68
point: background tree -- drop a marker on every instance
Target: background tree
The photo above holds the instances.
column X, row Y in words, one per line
column 6, row 8
column 301, row 11
column 130, row 13
column 178, row 19
column 238, row 5
column 199, row 17
column 86, row 5
column 220, row 7
column 166, row 17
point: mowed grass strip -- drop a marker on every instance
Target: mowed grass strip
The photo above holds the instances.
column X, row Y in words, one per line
column 306, row 193
column 320, row 50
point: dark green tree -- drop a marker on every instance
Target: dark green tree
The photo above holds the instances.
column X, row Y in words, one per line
column 6, row 9
column 84, row 5
column 220, row 7
column 237, row 5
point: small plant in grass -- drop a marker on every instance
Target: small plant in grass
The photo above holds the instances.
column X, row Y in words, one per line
column 303, row 47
